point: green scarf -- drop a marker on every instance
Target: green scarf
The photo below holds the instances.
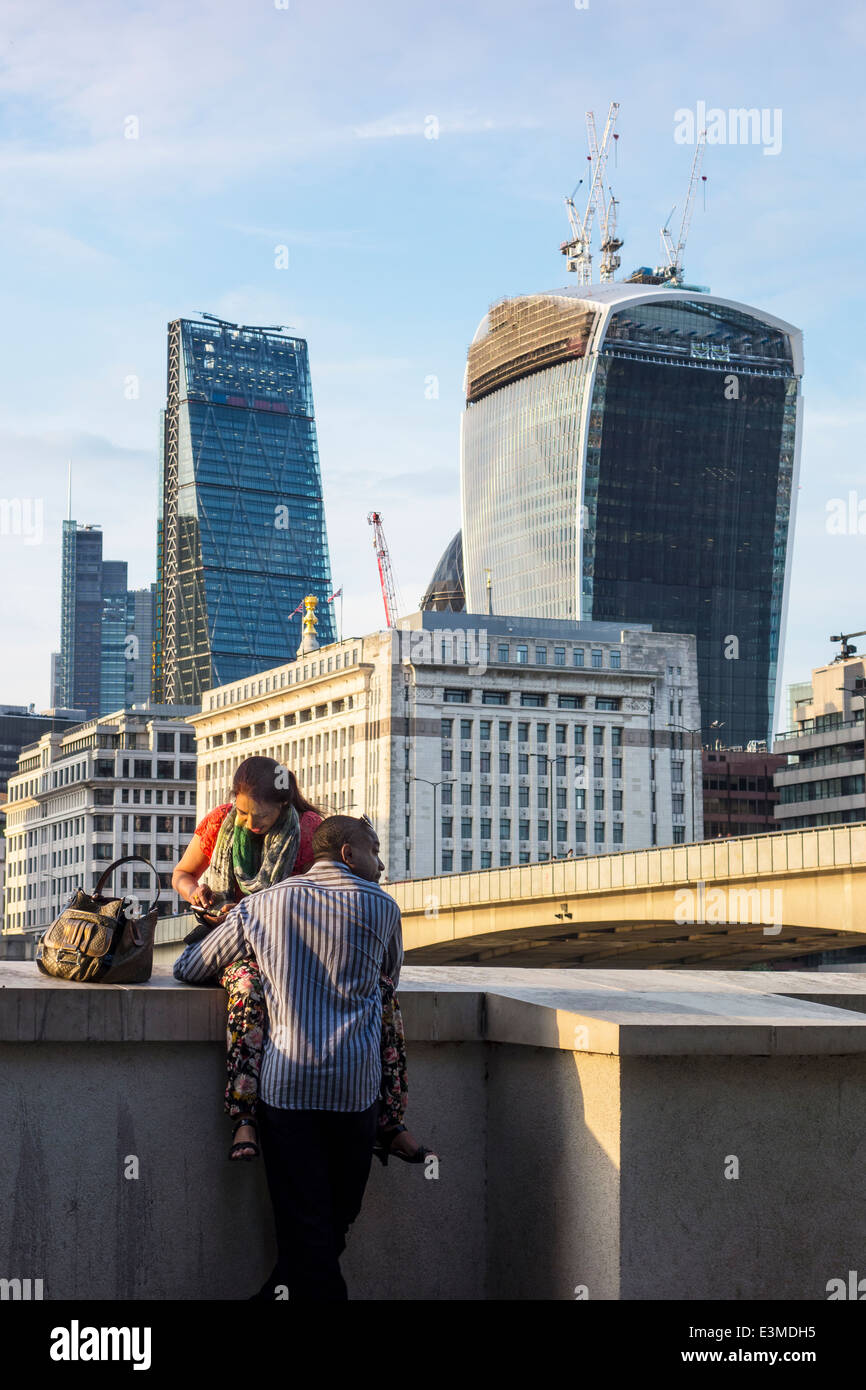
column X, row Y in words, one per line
column 248, row 862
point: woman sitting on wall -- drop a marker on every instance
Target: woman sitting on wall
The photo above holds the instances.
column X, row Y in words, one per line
column 261, row 837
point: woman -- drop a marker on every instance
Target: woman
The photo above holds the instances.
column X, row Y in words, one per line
column 263, row 836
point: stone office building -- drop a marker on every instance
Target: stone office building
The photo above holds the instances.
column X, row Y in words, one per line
column 120, row 784
column 476, row 741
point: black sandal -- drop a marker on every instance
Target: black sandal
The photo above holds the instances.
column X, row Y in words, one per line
column 383, row 1150
column 235, row 1152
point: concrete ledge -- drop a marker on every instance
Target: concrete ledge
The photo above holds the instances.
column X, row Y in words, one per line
column 586, row 1122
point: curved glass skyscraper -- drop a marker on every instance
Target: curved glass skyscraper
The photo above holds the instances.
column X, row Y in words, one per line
column 242, row 527
column 630, row 452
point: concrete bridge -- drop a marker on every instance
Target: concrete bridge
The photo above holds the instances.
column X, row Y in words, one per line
column 731, row 903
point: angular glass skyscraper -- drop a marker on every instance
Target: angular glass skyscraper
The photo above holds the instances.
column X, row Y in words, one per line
column 242, row 528
column 630, row 452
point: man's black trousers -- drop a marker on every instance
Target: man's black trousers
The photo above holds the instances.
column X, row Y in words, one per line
column 317, row 1163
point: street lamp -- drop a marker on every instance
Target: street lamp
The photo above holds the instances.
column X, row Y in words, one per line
column 434, row 785
column 565, row 758
column 716, row 724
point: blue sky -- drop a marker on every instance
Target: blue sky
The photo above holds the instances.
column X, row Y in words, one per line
column 306, row 127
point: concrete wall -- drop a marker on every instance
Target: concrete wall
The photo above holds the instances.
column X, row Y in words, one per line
column 583, row 1120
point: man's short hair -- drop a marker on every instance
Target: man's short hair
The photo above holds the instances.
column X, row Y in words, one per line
column 336, row 831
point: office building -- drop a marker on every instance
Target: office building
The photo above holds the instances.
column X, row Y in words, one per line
column 629, row 453
column 98, row 668
column 475, row 741
column 822, row 780
column 740, row 795
column 120, row 784
column 241, row 535
column 21, row 725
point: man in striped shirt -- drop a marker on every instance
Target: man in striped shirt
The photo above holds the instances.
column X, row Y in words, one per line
column 322, row 940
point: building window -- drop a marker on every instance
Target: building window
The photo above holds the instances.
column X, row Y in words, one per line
column 447, row 827
column 484, row 828
column 523, row 796
column 541, row 733
column 542, row 793
column 541, row 764
column 486, row 859
column 599, row 832
column 485, row 796
column 447, row 794
column 616, row 737
column 523, row 764
column 524, row 830
column 446, row 727
column 494, row 697
column 522, row 732
column 465, row 728
column 466, row 827
column 504, row 858
column 457, row 697
column 598, row 735
column 678, row 805
column 598, row 768
column 466, row 861
column 603, row 702
column 577, row 656
column 504, row 796
column 615, row 661
column 447, row 759
column 616, row 767
column 484, row 762
column 504, row 764
column 679, row 834
column 466, row 795
column 561, row 830
column 579, row 799
column 543, row 831
column 522, row 655
column 579, row 735
column 580, row 833
column 447, row 861
column 540, row 656
column 617, row 801
column 596, row 660
column 559, row 656
column 504, row 730
column 465, row 762
column 617, row 834
column 503, row 651
column 570, row 701
column 504, row 828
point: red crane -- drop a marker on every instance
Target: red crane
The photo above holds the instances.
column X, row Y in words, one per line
column 386, row 573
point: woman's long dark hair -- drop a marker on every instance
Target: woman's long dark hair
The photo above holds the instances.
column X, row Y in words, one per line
column 266, row 780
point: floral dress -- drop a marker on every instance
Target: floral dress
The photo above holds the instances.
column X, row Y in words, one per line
column 246, row 1006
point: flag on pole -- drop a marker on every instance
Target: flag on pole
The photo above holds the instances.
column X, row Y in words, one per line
column 338, row 593
column 297, row 610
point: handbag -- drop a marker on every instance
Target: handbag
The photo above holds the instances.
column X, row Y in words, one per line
column 95, row 940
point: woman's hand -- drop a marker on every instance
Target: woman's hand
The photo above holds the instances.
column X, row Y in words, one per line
column 202, row 896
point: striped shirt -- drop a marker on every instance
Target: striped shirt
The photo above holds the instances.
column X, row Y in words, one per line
column 322, row 941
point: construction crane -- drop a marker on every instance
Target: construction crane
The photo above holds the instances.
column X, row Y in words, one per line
column 386, row 573
column 610, row 242
column 847, row 648
column 672, row 273
column 578, row 251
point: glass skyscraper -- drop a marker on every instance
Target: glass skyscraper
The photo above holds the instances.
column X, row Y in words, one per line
column 630, row 452
column 241, row 536
column 80, row 666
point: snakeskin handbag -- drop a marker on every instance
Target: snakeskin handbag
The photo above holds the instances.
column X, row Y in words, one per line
column 95, row 939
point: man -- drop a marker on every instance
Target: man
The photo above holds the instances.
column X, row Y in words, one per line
column 322, row 940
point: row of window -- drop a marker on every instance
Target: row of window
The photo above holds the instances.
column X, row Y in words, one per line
column 542, row 795
column 543, row 764
column 529, row 699
column 485, row 731
column 518, row 653
column 263, row 686
column 485, row 824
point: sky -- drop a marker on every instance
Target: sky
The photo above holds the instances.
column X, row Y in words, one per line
column 412, row 159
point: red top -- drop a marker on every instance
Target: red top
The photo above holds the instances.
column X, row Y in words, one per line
column 208, row 829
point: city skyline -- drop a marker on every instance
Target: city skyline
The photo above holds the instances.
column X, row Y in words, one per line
column 387, row 251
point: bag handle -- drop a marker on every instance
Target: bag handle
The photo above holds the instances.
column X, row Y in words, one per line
column 128, row 859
